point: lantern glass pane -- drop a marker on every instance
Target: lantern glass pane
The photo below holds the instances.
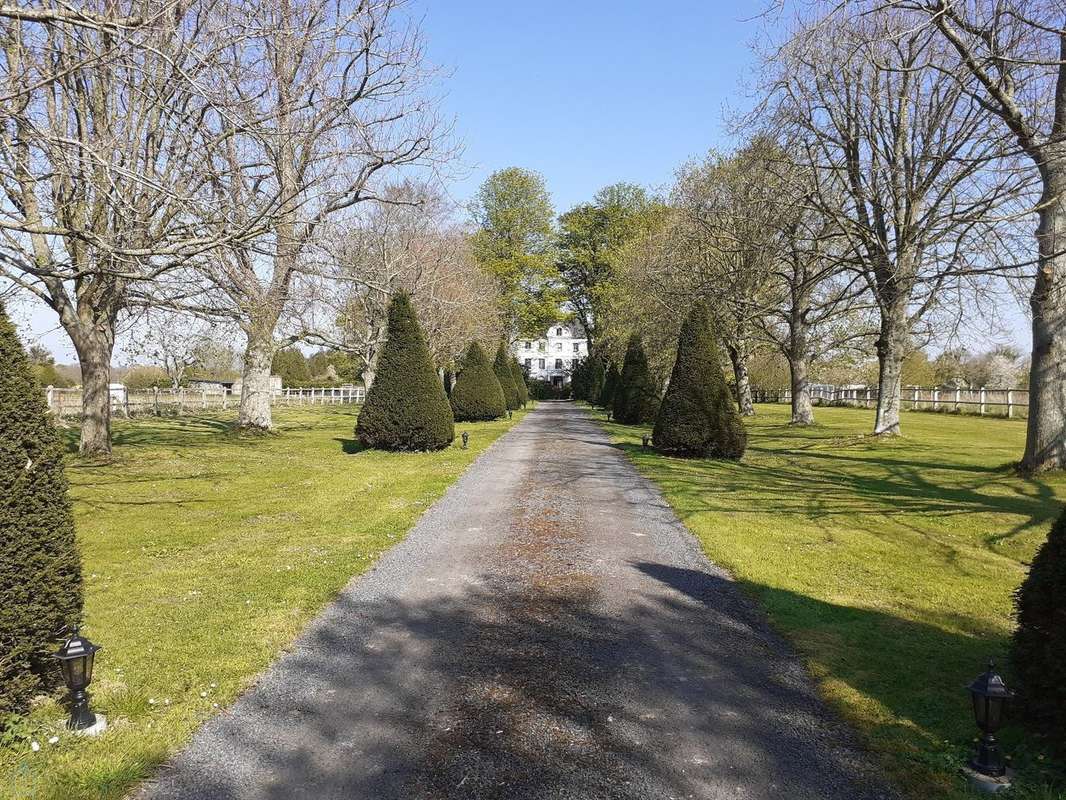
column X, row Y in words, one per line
column 75, row 673
column 995, row 713
column 980, row 710
column 89, row 668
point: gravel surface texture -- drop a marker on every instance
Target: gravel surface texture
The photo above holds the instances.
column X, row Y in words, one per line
column 548, row 630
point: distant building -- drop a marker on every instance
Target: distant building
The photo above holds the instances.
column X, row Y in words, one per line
column 211, row 385
column 553, row 357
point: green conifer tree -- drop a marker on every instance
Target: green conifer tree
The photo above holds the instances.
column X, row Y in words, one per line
column 406, row 407
column 477, row 395
column 502, row 367
column 520, row 382
column 610, row 383
column 1038, row 650
column 635, row 400
column 40, row 569
column 698, row 417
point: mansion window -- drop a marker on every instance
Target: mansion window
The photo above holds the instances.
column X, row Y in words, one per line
column 577, row 347
column 529, row 363
column 540, row 363
column 559, row 346
column 558, row 363
column 529, row 345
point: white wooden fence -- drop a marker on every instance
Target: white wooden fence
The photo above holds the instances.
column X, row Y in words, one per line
column 983, row 400
column 159, row 402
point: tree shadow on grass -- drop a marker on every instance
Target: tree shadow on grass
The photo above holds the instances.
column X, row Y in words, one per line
column 349, row 446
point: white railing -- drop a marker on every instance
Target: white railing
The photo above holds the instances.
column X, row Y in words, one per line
column 982, row 400
column 157, row 402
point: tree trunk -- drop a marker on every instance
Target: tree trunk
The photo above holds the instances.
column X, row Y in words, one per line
column 739, row 356
column 891, row 347
column 94, row 350
column 1045, row 438
column 799, row 363
column 256, row 388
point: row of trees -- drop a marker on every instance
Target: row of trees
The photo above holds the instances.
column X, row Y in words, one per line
column 882, row 199
column 236, row 160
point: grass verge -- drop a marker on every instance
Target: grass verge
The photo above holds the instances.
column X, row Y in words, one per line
column 890, row 564
column 205, row 553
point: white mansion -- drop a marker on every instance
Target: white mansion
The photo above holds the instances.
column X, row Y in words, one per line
column 553, row 357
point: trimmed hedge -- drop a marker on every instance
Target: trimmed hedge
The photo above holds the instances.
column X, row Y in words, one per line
column 698, row 417
column 40, row 569
column 502, row 367
column 635, row 400
column 406, row 407
column 1038, row 650
column 520, row 382
column 477, row 395
column 605, row 398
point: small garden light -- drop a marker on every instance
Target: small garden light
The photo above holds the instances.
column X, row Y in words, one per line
column 466, row 439
column 608, row 415
column 990, row 696
column 510, row 413
column 644, row 440
column 76, row 661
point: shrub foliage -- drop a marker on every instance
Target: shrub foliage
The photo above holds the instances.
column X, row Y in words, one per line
column 406, row 407
column 605, row 398
column 40, row 570
column 698, row 417
column 477, row 395
column 520, row 382
column 502, row 367
column 635, row 400
column 1038, row 650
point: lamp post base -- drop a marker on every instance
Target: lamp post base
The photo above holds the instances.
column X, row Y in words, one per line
column 986, row 784
column 99, row 726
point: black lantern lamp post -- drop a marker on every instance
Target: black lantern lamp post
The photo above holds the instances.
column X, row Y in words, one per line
column 608, row 415
column 466, row 439
column 990, row 697
column 510, row 413
column 644, row 440
column 76, row 661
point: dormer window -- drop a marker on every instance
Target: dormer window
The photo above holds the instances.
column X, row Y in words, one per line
column 558, row 331
column 529, row 345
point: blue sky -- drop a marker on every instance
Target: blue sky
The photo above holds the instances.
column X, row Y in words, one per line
column 589, row 92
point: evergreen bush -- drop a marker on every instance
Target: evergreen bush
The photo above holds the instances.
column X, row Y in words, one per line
column 610, row 383
column 698, row 417
column 635, row 401
column 476, row 394
column 502, row 367
column 596, row 378
column 520, row 382
column 1038, row 650
column 40, row 570
column 406, row 407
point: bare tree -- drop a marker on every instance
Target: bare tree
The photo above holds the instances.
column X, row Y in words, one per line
column 172, row 341
column 99, row 164
column 408, row 242
column 728, row 244
column 1012, row 57
column 893, row 132
column 322, row 103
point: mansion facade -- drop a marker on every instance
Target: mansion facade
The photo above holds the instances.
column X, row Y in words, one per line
column 553, row 358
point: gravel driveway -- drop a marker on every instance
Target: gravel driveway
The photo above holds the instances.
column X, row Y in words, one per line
column 547, row 630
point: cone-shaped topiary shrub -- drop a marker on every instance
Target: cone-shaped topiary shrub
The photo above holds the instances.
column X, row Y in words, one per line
column 1038, row 650
column 610, row 383
column 40, row 570
column 698, row 417
column 406, row 407
column 476, row 395
column 520, row 382
column 635, row 400
column 502, row 367
column 596, row 377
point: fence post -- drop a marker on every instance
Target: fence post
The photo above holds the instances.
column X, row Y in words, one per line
column 1010, row 403
column 48, row 394
column 936, row 399
column 983, row 397
column 958, row 394
column 867, row 402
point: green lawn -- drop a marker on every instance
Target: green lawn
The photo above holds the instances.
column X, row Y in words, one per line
column 204, row 555
column 889, row 564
